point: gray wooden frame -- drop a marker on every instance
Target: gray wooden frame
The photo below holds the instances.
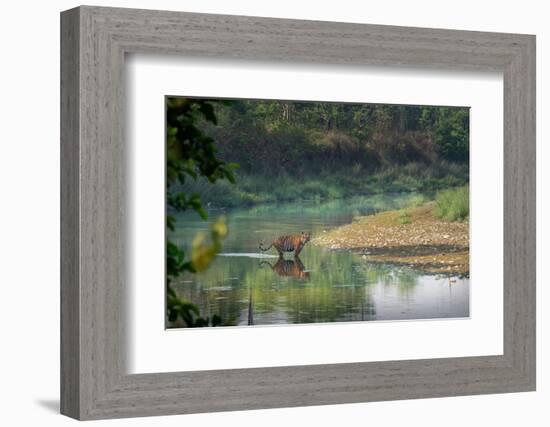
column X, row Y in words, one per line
column 94, row 41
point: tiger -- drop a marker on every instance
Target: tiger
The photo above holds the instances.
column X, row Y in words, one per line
column 288, row 268
column 289, row 243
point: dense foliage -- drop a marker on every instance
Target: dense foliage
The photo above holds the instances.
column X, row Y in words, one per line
column 276, row 137
column 190, row 154
column 311, row 150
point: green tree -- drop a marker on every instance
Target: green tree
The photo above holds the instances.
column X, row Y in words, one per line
column 451, row 132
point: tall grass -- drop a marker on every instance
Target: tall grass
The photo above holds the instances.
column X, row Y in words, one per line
column 453, row 204
column 330, row 184
column 404, row 217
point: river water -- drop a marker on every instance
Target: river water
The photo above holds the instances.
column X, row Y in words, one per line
column 248, row 287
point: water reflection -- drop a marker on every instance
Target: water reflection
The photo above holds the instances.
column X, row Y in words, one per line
column 288, row 268
column 246, row 287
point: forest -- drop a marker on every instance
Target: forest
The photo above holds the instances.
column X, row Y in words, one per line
column 288, row 151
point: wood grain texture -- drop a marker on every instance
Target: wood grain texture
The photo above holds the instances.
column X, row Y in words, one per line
column 70, row 297
column 94, row 381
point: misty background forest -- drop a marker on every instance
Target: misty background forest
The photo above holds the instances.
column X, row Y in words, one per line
column 289, row 151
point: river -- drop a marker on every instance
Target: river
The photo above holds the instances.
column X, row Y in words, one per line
column 248, row 287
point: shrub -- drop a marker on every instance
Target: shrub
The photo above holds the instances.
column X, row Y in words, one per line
column 453, row 204
column 404, row 217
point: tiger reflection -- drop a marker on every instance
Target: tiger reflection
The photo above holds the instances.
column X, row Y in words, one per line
column 288, row 268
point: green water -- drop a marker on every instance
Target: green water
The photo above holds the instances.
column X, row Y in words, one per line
column 246, row 286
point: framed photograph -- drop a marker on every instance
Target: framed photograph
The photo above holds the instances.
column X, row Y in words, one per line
column 261, row 213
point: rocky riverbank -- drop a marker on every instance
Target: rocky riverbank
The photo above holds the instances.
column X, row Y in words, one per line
column 411, row 237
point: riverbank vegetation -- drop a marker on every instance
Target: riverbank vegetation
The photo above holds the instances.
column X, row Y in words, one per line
column 453, row 204
column 331, row 184
column 289, row 151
